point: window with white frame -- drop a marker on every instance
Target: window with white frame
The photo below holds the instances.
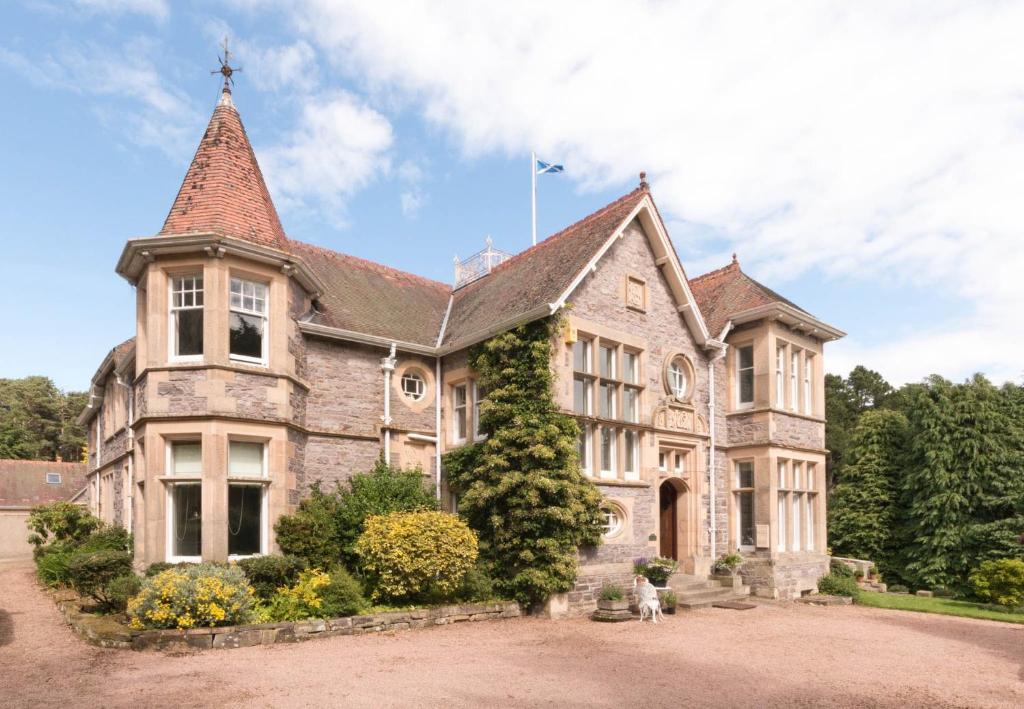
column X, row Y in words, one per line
column 186, row 316
column 248, row 321
column 631, row 467
column 581, row 389
column 680, row 462
column 782, row 474
column 781, row 512
column 460, row 425
column 794, row 521
column 583, row 382
column 808, row 385
column 414, row 386
column 185, row 501
column 608, row 453
column 630, row 406
column 663, row 457
column 745, row 375
column 743, row 495
column 798, row 469
column 811, row 469
column 606, row 362
column 246, row 500
column 810, row 521
column 780, row 376
column 678, row 378
column 607, row 400
column 584, row 446
column 612, row 520
column 630, row 367
column 477, row 434
column 581, row 356
column 53, row 478
column 794, row 368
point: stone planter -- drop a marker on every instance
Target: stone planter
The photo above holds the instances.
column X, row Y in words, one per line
column 620, row 605
column 733, row 580
column 612, row 611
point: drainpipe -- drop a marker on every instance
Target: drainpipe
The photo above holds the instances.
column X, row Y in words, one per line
column 387, row 365
column 437, row 428
column 712, row 483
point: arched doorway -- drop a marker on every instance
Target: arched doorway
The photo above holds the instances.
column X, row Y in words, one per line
column 672, row 518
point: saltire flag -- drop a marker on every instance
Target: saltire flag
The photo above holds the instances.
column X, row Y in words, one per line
column 543, row 167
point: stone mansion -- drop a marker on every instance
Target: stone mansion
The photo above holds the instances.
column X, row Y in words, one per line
column 261, row 365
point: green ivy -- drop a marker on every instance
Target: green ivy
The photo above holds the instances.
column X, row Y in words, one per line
column 521, row 489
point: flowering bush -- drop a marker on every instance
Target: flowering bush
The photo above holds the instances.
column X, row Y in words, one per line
column 409, row 555
column 657, row 570
column 194, row 596
column 301, row 601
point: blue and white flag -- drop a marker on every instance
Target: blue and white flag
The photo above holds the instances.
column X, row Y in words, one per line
column 543, row 167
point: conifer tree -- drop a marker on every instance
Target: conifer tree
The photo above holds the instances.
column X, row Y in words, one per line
column 862, row 508
column 522, row 489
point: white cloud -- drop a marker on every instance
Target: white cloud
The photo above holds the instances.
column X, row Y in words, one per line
column 872, row 141
column 338, row 146
column 135, row 100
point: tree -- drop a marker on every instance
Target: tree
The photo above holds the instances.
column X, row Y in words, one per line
column 862, row 507
column 521, row 489
column 845, row 401
column 38, row 421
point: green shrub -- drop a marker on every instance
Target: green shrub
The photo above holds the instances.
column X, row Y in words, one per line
column 60, row 522
column 266, row 574
column 728, row 563
column 193, row 596
column 898, row 588
column 301, row 601
column 611, row 592
column 121, row 590
column 657, row 570
column 52, row 565
column 157, row 567
column 409, row 555
column 1000, row 581
column 90, row 573
column 109, row 537
column 311, row 533
column 343, row 596
column 838, row 568
column 382, row 490
column 477, row 585
column 838, row 585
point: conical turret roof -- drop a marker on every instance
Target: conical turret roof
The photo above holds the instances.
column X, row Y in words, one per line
column 224, row 192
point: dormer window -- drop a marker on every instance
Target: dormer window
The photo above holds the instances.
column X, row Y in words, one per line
column 248, row 321
column 186, row 316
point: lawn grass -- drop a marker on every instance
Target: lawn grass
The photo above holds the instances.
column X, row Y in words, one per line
column 942, row 606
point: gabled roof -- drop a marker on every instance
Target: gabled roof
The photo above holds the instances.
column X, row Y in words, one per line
column 727, row 293
column 533, row 279
column 223, row 192
column 365, row 297
column 23, row 482
column 120, row 359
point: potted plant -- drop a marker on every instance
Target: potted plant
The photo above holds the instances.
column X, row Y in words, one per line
column 657, row 570
column 728, row 564
column 612, row 598
column 859, row 575
column 873, row 573
column 669, row 602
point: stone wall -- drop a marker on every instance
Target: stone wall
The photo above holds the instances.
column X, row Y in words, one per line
column 797, row 431
column 633, row 541
column 747, row 428
column 787, row 577
column 583, row 596
column 335, row 460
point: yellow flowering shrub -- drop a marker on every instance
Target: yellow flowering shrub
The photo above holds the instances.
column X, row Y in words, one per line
column 191, row 597
column 415, row 555
column 303, row 600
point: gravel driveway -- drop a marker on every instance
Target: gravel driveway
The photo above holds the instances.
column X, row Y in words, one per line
column 777, row 654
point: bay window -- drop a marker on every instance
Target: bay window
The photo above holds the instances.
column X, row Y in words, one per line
column 780, row 376
column 248, row 321
column 794, row 367
column 185, row 501
column 745, row 375
column 186, row 317
column 743, row 495
column 460, row 425
column 808, row 387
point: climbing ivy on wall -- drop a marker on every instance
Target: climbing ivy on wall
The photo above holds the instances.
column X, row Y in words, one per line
column 521, row 489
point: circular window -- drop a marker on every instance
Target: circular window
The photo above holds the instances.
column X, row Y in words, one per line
column 679, row 377
column 613, row 519
column 414, row 387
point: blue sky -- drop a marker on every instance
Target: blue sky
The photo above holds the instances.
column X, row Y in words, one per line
column 865, row 165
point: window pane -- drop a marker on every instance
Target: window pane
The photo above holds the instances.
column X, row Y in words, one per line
column 746, row 386
column 745, row 474
column 746, row 508
column 186, row 459
column 459, row 397
column 662, row 460
column 631, row 451
column 246, row 458
column 580, row 396
column 780, row 524
column 794, row 521
column 581, row 356
column 189, row 332
column 188, row 528
column 247, row 335
column 413, row 386
column 245, row 519
column 607, row 449
column 746, row 356
column 608, row 401
column 629, row 407
column 629, row 362
column 607, row 359
column 810, row 522
column 583, row 448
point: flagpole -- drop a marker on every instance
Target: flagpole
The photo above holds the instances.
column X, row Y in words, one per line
column 533, row 194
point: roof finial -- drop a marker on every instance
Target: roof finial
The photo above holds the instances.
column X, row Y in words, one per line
column 643, row 180
column 225, row 67
column 735, row 261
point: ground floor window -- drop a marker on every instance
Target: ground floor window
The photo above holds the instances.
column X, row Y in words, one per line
column 795, row 520
column 583, row 448
column 186, row 520
column 607, row 452
column 744, row 499
column 780, row 523
column 632, row 457
column 245, row 520
column 811, row 499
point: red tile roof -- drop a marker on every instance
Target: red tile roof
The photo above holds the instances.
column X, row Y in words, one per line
column 23, row 482
column 537, row 276
column 726, row 291
column 372, row 299
column 224, row 192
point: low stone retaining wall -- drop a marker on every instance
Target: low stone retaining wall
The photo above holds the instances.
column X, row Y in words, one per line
column 107, row 632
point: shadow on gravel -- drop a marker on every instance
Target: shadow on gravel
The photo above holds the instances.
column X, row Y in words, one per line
column 6, row 628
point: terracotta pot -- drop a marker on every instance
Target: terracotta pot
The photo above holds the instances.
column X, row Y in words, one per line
column 669, row 610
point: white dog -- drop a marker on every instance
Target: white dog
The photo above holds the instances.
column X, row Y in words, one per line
column 647, row 599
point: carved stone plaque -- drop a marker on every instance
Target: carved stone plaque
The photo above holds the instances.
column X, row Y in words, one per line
column 761, row 532
column 635, row 294
column 673, row 418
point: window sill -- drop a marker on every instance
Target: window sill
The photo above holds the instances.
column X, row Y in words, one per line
column 184, row 560
column 249, row 360
column 247, row 480
column 180, row 478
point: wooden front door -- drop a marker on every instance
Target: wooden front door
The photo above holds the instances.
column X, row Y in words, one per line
column 669, row 520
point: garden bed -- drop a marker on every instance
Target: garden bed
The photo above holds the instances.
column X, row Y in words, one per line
column 106, row 631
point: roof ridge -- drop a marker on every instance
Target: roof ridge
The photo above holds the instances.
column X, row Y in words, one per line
column 358, row 260
column 718, row 271
column 548, row 240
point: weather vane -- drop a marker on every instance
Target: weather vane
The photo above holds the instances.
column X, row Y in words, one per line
column 225, row 68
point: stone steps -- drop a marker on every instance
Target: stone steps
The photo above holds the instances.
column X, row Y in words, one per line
column 695, row 592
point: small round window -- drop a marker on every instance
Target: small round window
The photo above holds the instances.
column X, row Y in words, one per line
column 678, row 381
column 414, row 387
column 612, row 520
